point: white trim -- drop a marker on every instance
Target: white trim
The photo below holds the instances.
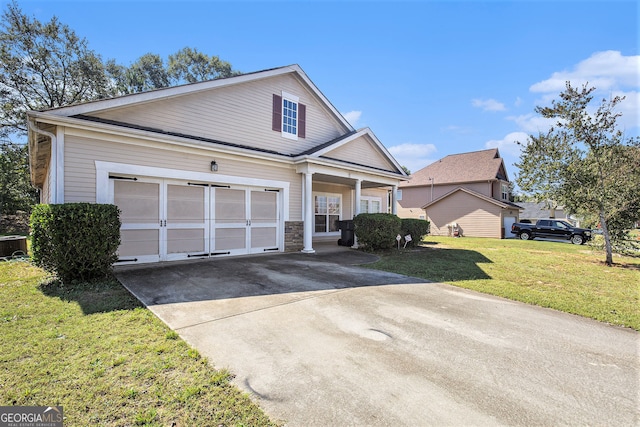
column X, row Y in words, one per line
column 103, row 169
column 308, row 214
column 362, row 132
column 327, row 195
column 290, row 97
column 294, row 99
column 370, row 199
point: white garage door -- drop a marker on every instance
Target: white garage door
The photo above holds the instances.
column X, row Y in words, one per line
column 168, row 220
column 507, row 222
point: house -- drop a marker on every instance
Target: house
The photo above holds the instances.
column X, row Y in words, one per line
column 534, row 211
column 467, row 192
column 247, row 164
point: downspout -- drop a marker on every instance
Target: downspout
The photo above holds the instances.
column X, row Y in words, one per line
column 52, row 159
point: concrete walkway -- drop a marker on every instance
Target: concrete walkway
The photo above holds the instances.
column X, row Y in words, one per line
column 319, row 341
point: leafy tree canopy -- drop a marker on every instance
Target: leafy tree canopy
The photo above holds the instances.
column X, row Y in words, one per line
column 585, row 163
column 16, row 192
column 43, row 65
column 47, row 65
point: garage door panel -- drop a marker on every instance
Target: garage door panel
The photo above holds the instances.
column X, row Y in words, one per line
column 185, row 204
column 230, row 239
column 139, row 243
column 264, row 206
column 264, row 237
column 185, row 241
column 230, row 206
column 138, row 201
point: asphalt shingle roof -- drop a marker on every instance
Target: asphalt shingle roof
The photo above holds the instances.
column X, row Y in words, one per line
column 485, row 165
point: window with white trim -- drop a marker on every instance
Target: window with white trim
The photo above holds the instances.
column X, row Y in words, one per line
column 327, row 211
column 505, row 192
column 289, row 116
column 370, row 204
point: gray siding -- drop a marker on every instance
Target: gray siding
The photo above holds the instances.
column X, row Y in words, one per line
column 476, row 217
column 81, row 152
column 416, row 197
column 361, row 151
column 238, row 114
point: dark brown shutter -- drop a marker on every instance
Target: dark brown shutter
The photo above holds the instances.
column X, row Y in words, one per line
column 302, row 120
column 276, row 120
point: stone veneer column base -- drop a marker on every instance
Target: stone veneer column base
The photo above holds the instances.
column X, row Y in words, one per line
column 293, row 236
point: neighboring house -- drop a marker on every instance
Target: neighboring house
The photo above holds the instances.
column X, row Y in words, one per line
column 468, row 192
column 534, row 211
column 247, row 164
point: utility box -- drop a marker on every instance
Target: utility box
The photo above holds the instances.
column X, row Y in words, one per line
column 13, row 246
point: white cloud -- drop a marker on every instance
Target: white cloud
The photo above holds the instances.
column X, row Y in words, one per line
column 413, row 156
column 353, row 117
column 610, row 72
column 518, row 101
column 630, row 110
column 606, row 71
column 532, row 123
column 488, row 104
column 508, row 145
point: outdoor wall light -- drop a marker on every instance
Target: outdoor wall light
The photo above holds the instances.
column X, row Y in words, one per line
column 214, row 166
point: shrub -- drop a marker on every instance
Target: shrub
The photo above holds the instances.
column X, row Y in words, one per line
column 76, row 241
column 377, row 231
column 417, row 228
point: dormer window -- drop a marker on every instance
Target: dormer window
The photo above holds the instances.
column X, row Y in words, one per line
column 505, row 192
column 289, row 116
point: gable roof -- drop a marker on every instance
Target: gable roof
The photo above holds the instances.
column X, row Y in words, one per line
column 501, row 203
column 485, row 165
column 329, row 149
column 87, row 108
column 97, row 115
column 533, row 210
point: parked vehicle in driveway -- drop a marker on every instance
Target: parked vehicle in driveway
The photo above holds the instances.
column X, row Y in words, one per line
column 551, row 229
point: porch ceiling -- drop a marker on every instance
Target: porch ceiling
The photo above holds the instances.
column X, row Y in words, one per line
column 350, row 182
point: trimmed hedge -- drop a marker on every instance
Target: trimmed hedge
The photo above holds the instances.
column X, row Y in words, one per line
column 76, row 241
column 417, row 228
column 377, row 231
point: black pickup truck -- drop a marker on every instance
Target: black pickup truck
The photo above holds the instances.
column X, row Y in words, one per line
column 551, row 229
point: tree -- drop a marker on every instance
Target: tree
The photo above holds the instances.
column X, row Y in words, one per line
column 16, row 192
column 43, row 65
column 150, row 72
column 190, row 66
column 147, row 73
column 46, row 65
column 585, row 163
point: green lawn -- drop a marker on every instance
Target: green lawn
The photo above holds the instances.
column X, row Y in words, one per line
column 106, row 359
column 561, row 276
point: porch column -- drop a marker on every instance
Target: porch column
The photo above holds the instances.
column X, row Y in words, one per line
column 394, row 200
column 356, row 208
column 308, row 214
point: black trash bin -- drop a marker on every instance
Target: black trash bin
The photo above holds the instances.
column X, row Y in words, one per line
column 346, row 232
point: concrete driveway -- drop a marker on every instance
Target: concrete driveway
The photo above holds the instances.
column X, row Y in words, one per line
column 319, row 341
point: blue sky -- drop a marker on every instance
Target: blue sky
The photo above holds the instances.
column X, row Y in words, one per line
column 430, row 78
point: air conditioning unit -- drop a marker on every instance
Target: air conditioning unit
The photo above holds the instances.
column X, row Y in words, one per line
column 11, row 246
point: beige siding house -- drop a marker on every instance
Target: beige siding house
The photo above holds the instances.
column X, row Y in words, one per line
column 467, row 192
column 247, row 164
